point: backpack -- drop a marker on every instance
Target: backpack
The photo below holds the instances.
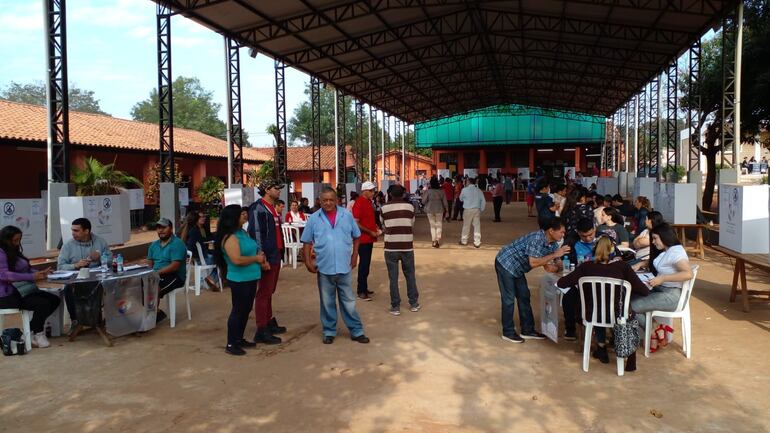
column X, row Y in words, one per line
column 12, row 341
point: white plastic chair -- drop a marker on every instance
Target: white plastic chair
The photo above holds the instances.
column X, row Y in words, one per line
column 171, row 297
column 291, row 243
column 682, row 312
column 601, row 288
column 202, row 270
column 26, row 317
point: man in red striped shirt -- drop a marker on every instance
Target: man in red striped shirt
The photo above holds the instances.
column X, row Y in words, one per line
column 398, row 221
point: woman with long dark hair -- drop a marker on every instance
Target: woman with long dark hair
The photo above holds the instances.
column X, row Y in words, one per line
column 241, row 261
column 16, row 273
column 194, row 231
column 575, row 209
column 643, row 209
column 642, row 244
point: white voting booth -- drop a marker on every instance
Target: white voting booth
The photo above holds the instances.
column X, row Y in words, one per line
column 589, row 180
column 135, row 199
column 677, row 202
column 240, row 195
column 311, row 191
column 109, row 216
column 607, row 185
column 622, row 183
column 413, row 185
column 494, row 173
column 384, row 185
column 352, row 187
column 444, row 172
column 471, row 172
column 645, row 186
column 569, row 172
column 27, row 215
column 743, row 222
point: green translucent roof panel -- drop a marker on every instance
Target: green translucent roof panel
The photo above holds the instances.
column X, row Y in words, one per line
column 507, row 125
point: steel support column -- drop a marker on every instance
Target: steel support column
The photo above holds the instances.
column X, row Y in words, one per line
column 728, row 93
column 641, row 160
column 385, row 128
column 625, row 152
column 694, row 107
column 612, row 157
column 165, row 99
column 234, row 125
column 359, row 149
column 653, row 154
column 403, row 153
column 396, row 129
column 315, row 128
column 280, row 122
column 672, row 133
column 57, row 94
column 339, row 135
column 372, row 155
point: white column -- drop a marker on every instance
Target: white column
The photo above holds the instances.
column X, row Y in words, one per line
column 336, row 141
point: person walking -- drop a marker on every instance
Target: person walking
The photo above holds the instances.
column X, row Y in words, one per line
column 434, row 203
column 265, row 228
column 449, row 192
column 535, row 249
column 508, row 186
column 473, row 203
column 497, row 198
column 458, row 206
column 331, row 251
column 398, row 220
column 240, row 258
column 363, row 212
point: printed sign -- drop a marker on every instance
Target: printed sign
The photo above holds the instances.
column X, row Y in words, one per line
column 27, row 215
column 108, row 214
column 443, row 172
column 471, row 172
column 184, row 196
column 569, row 173
column 135, row 199
column 494, row 172
column 523, row 172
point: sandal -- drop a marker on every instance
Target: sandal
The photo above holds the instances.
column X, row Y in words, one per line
column 653, row 344
column 660, row 335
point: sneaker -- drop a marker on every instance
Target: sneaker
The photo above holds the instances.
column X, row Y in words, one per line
column 395, row 311
column 40, row 340
column 328, row 339
column 364, row 297
column 515, row 338
column 275, row 328
column 570, row 336
column 236, row 350
column 264, row 336
column 363, row 339
column 477, row 245
column 246, row 343
column 463, row 244
column 161, row 316
column 415, row 308
column 533, row 336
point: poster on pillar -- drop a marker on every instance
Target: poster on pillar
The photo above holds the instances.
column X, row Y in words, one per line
column 184, row 196
column 523, row 172
column 494, row 173
column 135, row 199
column 471, row 172
column 108, row 214
column 27, row 216
column 569, row 173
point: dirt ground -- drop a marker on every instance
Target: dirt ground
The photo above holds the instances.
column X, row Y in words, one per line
column 443, row 369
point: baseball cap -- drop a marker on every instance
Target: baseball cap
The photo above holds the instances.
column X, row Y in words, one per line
column 366, row 186
column 164, row 222
column 269, row 183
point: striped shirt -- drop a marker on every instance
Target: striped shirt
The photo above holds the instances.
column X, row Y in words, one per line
column 398, row 220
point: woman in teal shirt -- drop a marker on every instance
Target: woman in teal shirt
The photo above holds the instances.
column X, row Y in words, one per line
column 240, row 257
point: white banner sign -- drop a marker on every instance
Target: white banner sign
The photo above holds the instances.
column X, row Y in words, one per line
column 494, row 172
column 184, row 196
column 445, row 173
column 471, row 172
column 135, row 199
column 569, row 173
column 27, row 215
column 109, row 216
column 523, row 172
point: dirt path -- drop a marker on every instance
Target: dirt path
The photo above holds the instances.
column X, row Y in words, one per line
column 443, row 369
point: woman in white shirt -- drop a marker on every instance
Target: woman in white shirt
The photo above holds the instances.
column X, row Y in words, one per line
column 672, row 268
column 641, row 243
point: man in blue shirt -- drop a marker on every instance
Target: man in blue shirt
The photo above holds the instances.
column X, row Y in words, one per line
column 330, row 250
column 582, row 251
column 539, row 248
column 168, row 257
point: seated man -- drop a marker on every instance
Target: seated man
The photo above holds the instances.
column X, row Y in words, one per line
column 168, row 257
column 582, row 251
column 84, row 250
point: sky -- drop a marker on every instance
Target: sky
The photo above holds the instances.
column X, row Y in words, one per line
column 112, row 50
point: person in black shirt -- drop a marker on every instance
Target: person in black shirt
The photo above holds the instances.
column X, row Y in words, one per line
column 194, row 231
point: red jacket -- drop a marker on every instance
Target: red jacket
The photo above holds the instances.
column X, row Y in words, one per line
column 290, row 219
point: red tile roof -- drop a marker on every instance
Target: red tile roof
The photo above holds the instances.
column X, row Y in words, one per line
column 300, row 158
column 29, row 123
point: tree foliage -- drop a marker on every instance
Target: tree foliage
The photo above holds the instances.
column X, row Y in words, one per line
column 95, row 178
column 194, row 108
column 152, row 181
column 35, row 93
column 755, row 91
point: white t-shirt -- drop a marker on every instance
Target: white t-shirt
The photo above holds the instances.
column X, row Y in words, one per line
column 644, row 252
column 665, row 263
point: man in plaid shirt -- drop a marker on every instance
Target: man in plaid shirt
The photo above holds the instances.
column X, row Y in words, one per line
column 539, row 248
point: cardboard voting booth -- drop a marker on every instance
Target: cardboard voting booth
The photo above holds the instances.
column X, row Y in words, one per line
column 311, row 191
column 677, row 202
column 240, row 195
column 352, row 187
column 444, row 172
column 109, row 216
column 184, row 197
column 645, row 186
column 523, row 172
column 589, row 180
column 623, row 183
column 28, row 216
column 471, row 172
column 569, row 172
column 607, row 185
column 135, row 199
column 494, row 173
column 413, row 186
column 743, row 222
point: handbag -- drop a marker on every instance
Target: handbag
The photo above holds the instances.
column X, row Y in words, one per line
column 627, row 336
column 25, row 287
column 12, row 342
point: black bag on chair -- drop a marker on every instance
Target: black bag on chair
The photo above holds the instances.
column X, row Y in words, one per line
column 88, row 302
column 12, row 341
column 626, row 333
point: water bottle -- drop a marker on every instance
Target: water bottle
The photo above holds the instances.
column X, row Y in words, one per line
column 105, row 261
column 120, row 263
column 565, row 265
column 581, row 258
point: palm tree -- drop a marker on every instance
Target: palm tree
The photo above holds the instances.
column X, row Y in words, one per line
column 96, row 178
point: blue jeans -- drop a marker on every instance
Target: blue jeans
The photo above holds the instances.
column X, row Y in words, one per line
column 210, row 261
column 513, row 289
column 329, row 287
